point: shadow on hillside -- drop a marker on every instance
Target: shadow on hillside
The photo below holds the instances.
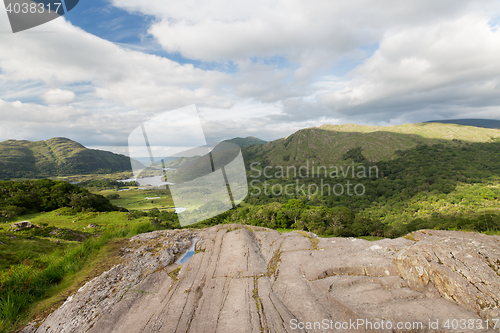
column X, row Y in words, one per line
column 415, row 173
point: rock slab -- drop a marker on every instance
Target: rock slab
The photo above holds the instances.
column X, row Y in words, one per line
column 251, row 279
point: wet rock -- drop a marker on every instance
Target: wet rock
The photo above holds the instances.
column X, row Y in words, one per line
column 251, row 279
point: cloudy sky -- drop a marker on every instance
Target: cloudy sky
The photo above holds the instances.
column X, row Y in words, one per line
column 261, row 68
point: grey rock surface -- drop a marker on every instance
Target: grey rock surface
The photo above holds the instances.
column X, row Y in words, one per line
column 462, row 267
column 250, row 279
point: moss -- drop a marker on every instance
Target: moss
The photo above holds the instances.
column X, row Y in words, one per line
column 175, row 273
column 272, row 265
column 258, row 300
column 410, row 237
column 314, row 241
column 144, row 292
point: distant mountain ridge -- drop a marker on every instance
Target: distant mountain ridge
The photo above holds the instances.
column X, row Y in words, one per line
column 485, row 123
column 56, row 157
column 330, row 144
column 325, row 145
column 246, row 142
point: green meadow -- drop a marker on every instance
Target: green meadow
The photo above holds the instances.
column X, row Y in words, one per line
column 41, row 266
column 133, row 198
column 90, row 177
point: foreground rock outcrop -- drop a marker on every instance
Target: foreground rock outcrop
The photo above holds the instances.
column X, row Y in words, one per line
column 249, row 279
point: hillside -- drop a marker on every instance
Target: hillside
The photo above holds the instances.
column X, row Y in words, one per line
column 330, row 144
column 486, row 123
column 55, row 157
column 248, row 141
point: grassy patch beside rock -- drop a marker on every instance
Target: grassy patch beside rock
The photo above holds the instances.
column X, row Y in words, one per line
column 41, row 266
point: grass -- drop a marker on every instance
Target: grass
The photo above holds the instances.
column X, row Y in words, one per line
column 104, row 260
column 106, row 176
column 134, row 199
column 314, row 241
column 425, row 130
column 371, row 238
column 41, row 267
column 272, row 265
column 175, row 273
column 368, row 238
column 64, row 218
column 284, row 230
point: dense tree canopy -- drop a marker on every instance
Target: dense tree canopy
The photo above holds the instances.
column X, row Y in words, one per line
column 30, row 196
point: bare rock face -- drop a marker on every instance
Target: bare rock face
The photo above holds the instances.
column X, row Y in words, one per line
column 250, row 279
column 463, row 267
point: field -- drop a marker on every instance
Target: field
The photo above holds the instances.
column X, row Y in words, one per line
column 136, row 199
column 104, row 176
column 60, row 229
column 41, row 266
column 130, row 197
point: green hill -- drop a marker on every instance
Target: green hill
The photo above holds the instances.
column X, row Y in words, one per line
column 55, row 157
column 183, row 162
column 333, row 144
column 246, row 142
column 486, row 123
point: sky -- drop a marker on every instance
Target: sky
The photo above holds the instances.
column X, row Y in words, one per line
column 252, row 68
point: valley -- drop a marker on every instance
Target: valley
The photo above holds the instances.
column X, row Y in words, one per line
column 416, row 176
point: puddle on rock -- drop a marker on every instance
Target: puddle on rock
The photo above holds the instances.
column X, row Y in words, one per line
column 189, row 253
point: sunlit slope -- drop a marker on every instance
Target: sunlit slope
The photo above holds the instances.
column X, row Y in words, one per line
column 486, row 123
column 248, row 141
column 328, row 144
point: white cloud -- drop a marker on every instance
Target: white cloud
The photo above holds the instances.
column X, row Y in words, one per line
column 448, row 65
column 410, row 61
column 30, row 121
column 58, row 96
column 215, row 30
column 130, row 78
column 430, row 52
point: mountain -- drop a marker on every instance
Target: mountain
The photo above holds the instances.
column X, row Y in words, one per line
column 246, row 142
column 178, row 162
column 197, row 166
column 56, row 157
column 485, row 123
column 331, row 144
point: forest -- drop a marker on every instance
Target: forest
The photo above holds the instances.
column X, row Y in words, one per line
column 432, row 186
